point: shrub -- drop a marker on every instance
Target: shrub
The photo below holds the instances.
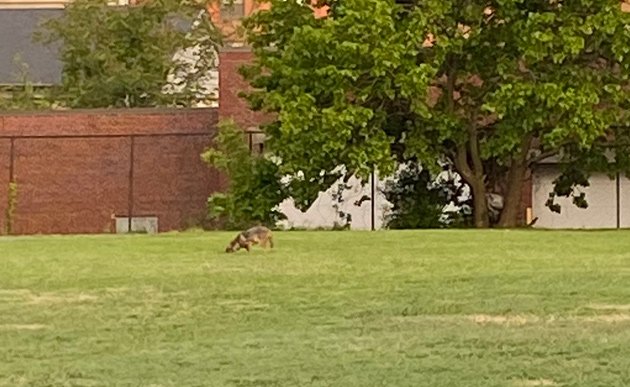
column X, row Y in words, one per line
column 255, row 189
column 422, row 200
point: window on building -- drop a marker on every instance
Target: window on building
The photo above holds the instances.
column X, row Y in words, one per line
column 255, row 140
column 232, row 9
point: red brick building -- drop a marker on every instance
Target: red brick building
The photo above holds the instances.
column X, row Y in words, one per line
column 235, row 54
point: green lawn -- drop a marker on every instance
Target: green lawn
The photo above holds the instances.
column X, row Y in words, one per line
column 414, row 308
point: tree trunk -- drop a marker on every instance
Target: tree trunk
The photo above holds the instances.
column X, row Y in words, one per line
column 513, row 196
column 477, row 182
column 477, row 185
column 480, row 204
column 473, row 175
column 516, row 179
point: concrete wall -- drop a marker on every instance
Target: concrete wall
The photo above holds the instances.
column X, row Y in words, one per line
column 601, row 197
column 76, row 171
column 322, row 214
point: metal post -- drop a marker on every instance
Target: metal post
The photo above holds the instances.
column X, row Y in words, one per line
column 618, row 201
column 130, row 198
column 12, row 161
column 373, row 201
column 10, row 220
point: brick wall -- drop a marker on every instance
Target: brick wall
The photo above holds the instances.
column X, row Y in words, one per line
column 75, row 170
column 231, row 84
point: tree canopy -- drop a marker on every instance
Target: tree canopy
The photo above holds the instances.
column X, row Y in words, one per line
column 155, row 53
column 490, row 86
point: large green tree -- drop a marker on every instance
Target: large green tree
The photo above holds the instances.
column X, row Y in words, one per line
column 492, row 86
column 155, row 53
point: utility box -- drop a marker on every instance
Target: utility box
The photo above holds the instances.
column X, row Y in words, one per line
column 139, row 224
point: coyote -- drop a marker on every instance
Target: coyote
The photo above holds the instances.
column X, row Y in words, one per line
column 255, row 235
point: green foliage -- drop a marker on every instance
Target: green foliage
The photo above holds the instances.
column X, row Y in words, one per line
column 565, row 186
column 255, row 188
column 329, row 81
column 24, row 95
column 416, row 202
column 131, row 56
column 345, row 219
column 12, row 194
column 491, row 86
column 421, row 199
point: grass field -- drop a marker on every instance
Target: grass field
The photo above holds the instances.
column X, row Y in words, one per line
column 415, row 308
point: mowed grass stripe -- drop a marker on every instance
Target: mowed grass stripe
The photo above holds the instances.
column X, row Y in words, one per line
column 404, row 308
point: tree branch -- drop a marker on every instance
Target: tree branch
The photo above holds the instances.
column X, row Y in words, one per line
column 461, row 163
column 542, row 156
column 473, row 141
column 450, row 84
column 525, row 145
column 461, row 156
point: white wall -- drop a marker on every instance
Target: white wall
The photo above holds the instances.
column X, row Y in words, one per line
column 600, row 195
column 601, row 211
column 322, row 213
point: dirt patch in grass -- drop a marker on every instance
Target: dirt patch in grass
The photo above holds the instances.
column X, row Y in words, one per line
column 244, row 304
column 146, row 294
column 22, row 327
column 515, row 320
column 31, row 298
column 518, row 320
column 480, row 319
column 609, row 307
column 608, row 318
column 58, row 298
column 534, row 382
column 504, row 320
column 14, row 381
column 209, row 268
column 122, row 289
column 6, row 294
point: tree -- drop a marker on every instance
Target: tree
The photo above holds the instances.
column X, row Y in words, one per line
column 155, row 53
column 418, row 200
column 489, row 86
column 255, row 189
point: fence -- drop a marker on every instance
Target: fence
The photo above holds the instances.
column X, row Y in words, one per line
column 86, row 171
